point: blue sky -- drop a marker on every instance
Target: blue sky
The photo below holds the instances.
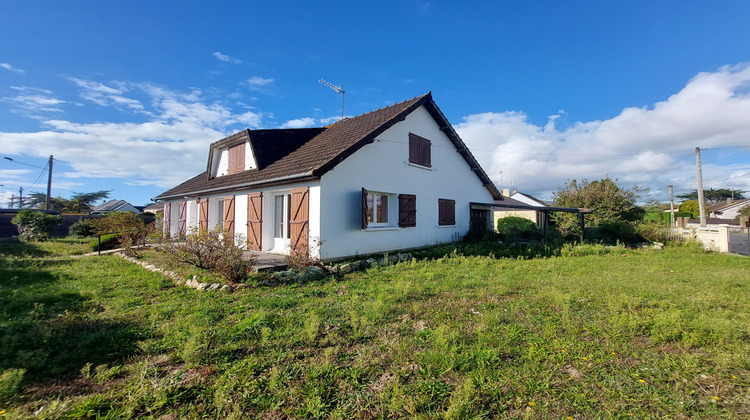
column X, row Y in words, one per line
column 128, row 95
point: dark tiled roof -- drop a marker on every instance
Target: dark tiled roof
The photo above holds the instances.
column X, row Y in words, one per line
column 285, row 155
column 111, row 205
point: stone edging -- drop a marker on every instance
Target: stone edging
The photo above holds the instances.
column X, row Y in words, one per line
column 192, row 283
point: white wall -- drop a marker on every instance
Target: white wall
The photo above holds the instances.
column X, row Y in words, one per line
column 383, row 166
column 240, row 214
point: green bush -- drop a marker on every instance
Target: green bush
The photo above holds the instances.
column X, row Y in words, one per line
column 107, row 242
column 513, row 228
column 82, row 229
column 10, row 380
column 34, row 225
column 213, row 250
column 617, row 231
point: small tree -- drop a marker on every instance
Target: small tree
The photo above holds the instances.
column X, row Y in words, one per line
column 131, row 228
column 692, row 207
column 744, row 212
column 34, row 225
column 608, row 202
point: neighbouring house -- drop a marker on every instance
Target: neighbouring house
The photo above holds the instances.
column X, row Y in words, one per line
column 115, row 205
column 524, row 206
column 728, row 209
column 396, row 178
column 154, row 208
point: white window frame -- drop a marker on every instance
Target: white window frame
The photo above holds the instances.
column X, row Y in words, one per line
column 391, row 209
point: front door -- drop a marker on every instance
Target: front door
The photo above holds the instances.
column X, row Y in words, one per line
column 281, row 216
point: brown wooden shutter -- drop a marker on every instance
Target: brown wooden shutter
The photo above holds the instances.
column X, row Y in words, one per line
column 420, row 150
column 413, row 148
column 364, row 208
column 236, row 161
column 299, row 225
column 183, row 219
column 255, row 221
column 426, row 152
column 446, row 212
column 167, row 218
column 203, row 214
column 407, row 210
column 229, row 215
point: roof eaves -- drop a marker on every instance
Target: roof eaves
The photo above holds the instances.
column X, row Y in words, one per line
column 260, row 183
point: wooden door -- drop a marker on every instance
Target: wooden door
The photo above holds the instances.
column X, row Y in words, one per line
column 255, row 221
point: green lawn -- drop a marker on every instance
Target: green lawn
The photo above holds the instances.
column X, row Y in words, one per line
column 642, row 334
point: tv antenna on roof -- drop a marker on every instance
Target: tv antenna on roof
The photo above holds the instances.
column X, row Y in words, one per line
column 338, row 89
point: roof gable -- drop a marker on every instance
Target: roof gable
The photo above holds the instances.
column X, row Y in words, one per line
column 285, row 155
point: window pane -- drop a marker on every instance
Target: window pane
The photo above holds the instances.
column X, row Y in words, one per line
column 382, row 209
column 369, row 212
column 278, row 212
column 220, row 211
column 288, row 214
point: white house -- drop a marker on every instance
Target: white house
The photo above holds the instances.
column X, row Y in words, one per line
column 395, row 178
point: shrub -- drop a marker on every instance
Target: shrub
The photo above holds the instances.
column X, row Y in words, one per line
column 130, row 227
column 513, row 228
column 82, row 229
column 617, row 231
column 34, row 225
column 10, row 380
column 213, row 250
column 110, row 241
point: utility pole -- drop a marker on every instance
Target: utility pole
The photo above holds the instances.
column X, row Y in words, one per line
column 701, row 202
column 49, row 185
column 20, row 198
column 671, row 206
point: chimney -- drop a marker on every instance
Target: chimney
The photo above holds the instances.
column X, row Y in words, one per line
column 506, row 192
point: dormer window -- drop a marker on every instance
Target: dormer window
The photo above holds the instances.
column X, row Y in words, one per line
column 419, row 151
column 236, row 163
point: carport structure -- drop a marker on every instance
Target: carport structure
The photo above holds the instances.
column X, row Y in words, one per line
column 542, row 209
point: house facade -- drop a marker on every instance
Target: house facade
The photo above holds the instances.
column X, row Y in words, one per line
column 392, row 179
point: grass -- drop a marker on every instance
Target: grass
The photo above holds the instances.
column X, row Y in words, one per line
column 644, row 334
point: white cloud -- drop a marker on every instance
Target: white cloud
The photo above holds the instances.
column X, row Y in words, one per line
column 32, row 102
column 8, row 67
column 227, row 59
column 259, row 84
column 649, row 146
column 104, row 95
column 166, row 149
column 299, row 123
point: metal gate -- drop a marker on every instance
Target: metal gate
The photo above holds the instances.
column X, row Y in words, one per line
column 739, row 240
